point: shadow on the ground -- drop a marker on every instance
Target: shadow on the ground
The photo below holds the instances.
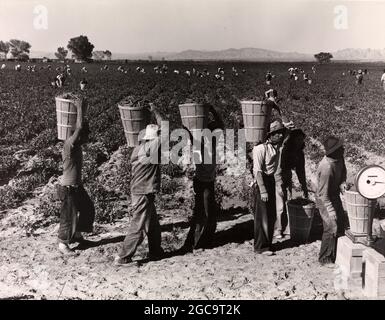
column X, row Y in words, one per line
column 314, row 235
column 232, row 213
column 87, row 244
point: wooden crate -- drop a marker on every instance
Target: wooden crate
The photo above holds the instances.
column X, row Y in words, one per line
column 374, row 277
column 349, row 257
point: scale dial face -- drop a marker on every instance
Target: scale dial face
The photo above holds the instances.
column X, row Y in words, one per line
column 370, row 182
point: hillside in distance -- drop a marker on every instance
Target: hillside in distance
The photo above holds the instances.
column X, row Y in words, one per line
column 244, row 54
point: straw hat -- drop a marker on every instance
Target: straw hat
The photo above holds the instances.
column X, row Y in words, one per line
column 151, row 132
column 331, row 144
column 275, row 126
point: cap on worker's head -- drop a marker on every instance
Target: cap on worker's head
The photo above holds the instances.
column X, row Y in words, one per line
column 331, row 144
column 288, row 124
column 275, row 126
column 151, row 132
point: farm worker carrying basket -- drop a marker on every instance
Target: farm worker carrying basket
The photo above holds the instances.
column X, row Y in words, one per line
column 204, row 219
column 77, row 211
column 145, row 183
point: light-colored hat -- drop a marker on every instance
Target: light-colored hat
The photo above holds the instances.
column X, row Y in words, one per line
column 275, row 126
column 151, row 132
column 331, row 144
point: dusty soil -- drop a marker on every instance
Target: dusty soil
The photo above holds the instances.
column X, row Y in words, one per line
column 32, row 268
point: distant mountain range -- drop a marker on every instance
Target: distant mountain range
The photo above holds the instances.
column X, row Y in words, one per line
column 244, row 54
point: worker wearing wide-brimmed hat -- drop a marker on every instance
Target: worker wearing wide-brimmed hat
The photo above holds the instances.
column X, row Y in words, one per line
column 145, row 183
column 266, row 158
column 331, row 174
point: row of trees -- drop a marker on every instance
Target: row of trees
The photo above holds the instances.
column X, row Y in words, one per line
column 18, row 49
column 81, row 48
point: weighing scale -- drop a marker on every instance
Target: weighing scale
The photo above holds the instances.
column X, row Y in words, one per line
column 370, row 183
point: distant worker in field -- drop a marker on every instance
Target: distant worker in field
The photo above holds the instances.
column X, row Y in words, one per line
column 60, row 79
column 266, row 159
column 83, row 84
column 145, row 184
column 204, row 220
column 383, row 80
column 313, row 68
column 359, row 77
column 331, row 176
column 77, row 211
column 272, row 100
column 291, row 72
column 268, row 77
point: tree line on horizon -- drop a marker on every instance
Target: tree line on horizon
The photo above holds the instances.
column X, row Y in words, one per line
column 82, row 49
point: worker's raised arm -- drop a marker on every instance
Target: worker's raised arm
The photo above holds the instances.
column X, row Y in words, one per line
column 156, row 113
column 79, row 121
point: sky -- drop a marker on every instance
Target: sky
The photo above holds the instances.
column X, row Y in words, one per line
column 138, row 26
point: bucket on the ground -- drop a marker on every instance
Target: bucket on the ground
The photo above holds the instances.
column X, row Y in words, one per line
column 134, row 119
column 301, row 214
column 66, row 114
column 358, row 209
column 256, row 119
column 194, row 115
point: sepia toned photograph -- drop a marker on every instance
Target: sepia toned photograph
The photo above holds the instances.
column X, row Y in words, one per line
column 180, row 150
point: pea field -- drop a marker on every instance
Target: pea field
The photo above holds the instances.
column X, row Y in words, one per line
column 30, row 154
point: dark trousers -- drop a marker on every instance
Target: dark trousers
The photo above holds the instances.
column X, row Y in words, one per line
column 264, row 215
column 144, row 222
column 204, row 220
column 77, row 212
column 331, row 230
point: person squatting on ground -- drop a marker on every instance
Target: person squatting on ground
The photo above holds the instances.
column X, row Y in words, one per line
column 331, row 177
column 145, row 183
column 204, row 220
column 265, row 164
column 77, row 211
